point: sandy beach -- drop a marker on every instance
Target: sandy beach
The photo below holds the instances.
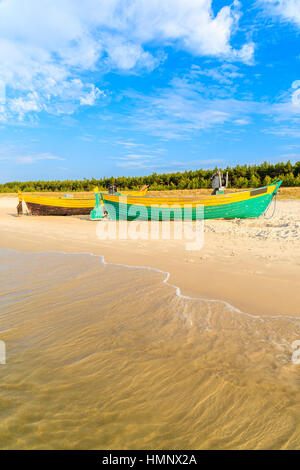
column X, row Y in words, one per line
column 252, row 264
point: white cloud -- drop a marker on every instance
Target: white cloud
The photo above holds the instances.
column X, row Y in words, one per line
column 285, row 114
column 2, row 93
column 140, row 161
column 21, row 105
column 30, row 159
column 126, row 56
column 290, row 156
column 245, row 54
column 45, row 46
column 191, row 24
column 133, row 156
column 90, row 98
column 242, row 122
column 185, row 108
column 296, row 98
column 135, row 161
column 289, row 10
column 225, row 74
column 296, row 95
column 165, row 165
column 284, row 131
column 289, row 106
column 13, row 155
column 127, row 144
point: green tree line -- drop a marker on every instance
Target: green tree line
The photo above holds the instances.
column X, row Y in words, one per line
column 240, row 176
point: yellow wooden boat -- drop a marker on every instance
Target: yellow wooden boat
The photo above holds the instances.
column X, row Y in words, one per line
column 67, row 204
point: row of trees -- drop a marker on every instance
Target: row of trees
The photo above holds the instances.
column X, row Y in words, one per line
column 245, row 176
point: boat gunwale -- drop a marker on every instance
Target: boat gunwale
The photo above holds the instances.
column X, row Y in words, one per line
column 68, row 198
column 202, row 196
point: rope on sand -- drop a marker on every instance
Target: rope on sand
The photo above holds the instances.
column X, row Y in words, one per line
column 274, row 208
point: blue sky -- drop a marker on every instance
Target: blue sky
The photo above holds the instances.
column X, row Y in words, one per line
column 129, row 87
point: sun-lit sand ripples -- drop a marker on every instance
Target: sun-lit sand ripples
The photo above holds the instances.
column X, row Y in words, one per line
column 103, row 356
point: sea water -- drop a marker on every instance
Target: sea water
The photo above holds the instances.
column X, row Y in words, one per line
column 101, row 356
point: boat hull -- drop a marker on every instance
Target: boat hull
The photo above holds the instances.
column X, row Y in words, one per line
column 60, row 205
column 241, row 205
column 42, row 209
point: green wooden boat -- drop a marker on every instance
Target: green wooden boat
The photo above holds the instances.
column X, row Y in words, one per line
column 241, row 205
